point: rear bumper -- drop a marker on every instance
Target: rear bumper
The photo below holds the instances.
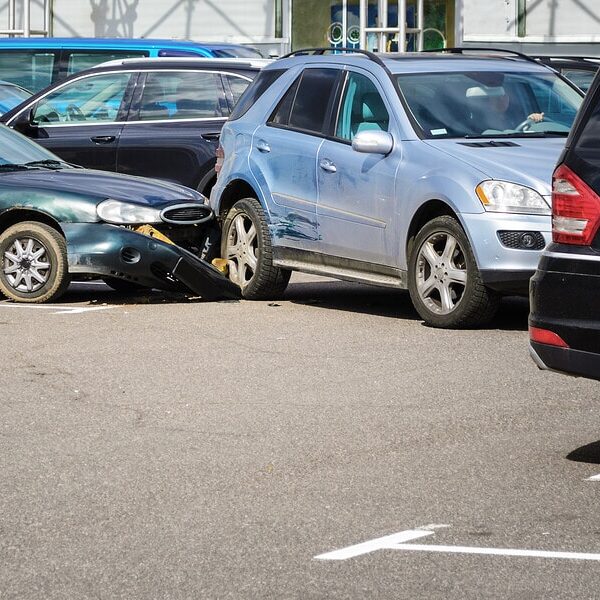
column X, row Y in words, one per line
column 112, row 251
column 565, row 299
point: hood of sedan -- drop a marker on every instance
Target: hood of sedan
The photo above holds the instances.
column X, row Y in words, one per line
column 528, row 162
column 100, row 185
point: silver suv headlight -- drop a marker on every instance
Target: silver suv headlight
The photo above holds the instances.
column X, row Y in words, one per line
column 124, row 213
column 504, row 196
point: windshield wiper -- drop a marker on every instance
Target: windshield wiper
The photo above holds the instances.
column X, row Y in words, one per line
column 13, row 167
column 518, row 134
column 47, row 163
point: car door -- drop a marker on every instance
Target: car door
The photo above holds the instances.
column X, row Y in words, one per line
column 356, row 207
column 284, row 153
column 174, row 127
column 81, row 120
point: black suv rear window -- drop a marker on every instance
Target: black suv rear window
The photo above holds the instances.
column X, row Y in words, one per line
column 254, row 91
column 584, row 156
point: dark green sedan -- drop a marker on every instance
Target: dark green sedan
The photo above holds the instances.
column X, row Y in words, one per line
column 59, row 222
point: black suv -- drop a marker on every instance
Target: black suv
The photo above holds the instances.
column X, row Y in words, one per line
column 565, row 291
column 152, row 117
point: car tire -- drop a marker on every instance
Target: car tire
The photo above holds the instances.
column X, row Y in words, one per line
column 33, row 263
column 443, row 278
column 246, row 244
column 123, row 286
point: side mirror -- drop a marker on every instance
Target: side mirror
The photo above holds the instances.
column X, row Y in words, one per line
column 24, row 123
column 373, row 142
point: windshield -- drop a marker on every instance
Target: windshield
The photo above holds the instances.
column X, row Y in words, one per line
column 237, row 52
column 16, row 149
column 490, row 104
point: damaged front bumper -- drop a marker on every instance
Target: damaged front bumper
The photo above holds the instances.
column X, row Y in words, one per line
column 112, row 251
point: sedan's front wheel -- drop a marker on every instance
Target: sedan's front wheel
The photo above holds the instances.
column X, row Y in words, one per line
column 34, row 265
column 443, row 279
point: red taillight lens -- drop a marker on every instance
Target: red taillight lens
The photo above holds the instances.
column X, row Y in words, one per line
column 575, row 209
column 545, row 336
column 220, row 157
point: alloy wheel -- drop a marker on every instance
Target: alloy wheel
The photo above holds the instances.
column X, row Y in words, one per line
column 242, row 249
column 441, row 275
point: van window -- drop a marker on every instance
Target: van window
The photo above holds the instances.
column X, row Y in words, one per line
column 79, row 61
column 30, row 69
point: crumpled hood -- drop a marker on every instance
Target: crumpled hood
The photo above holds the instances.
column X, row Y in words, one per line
column 530, row 162
column 101, row 185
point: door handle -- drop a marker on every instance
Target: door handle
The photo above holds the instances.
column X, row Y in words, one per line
column 262, row 146
column 103, row 139
column 210, row 137
column 327, row 165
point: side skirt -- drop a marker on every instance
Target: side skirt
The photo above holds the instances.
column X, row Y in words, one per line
column 339, row 268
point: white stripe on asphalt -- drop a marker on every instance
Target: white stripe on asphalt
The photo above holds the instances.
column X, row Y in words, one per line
column 386, row 542
column 58, row 310
column 499, row 551
column 397, row 541
column 594, row 478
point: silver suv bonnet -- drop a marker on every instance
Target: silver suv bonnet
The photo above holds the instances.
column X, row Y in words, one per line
column 527, row 162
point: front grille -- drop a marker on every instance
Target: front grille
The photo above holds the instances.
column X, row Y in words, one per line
column 186, row 213
column 522, row 240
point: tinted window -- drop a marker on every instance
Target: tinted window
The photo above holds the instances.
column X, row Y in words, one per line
column 580, row 77
column 586, row 148
column 31, row 70
column 91, row 99
column 281, row 114
column 254, row 91
column 236, row 52
column 312, row 99
column 362, row 108
column 181, row 95
column 78, row 61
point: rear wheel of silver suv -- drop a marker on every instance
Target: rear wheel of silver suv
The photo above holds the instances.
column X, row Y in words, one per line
column 246, row 244
column 443, row 279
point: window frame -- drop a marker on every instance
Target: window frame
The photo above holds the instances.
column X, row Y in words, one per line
column 325, row 133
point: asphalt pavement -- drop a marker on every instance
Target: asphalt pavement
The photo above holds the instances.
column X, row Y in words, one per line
column 163, row 447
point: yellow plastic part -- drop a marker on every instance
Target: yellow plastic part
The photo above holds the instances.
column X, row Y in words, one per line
column 221, row 264
column 152, row 232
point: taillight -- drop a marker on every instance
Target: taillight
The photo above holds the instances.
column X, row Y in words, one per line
column 220, row 158
column 545, row 336
column 575, row 209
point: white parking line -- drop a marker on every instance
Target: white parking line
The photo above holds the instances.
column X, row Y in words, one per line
column 397, row 541
column 58, row 310
column 594, row 478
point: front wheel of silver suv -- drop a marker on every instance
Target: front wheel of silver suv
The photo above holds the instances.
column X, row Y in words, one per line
column 246, row 244
column 443, row 279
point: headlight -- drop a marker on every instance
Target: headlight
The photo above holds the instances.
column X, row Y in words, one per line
column 503, row 196
column 123, row 213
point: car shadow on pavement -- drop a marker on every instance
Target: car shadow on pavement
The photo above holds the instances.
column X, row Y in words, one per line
column 590, row 453
column 395, row 304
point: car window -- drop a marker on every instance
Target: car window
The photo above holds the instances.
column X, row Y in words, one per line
column 489, row 103
column 181, row 95
column 585, row 149
column 306, row 103
column 88, row 100
column 79, row 61
column 237, row 85
column 261, row 83
column 362, row 108
column 31, row 70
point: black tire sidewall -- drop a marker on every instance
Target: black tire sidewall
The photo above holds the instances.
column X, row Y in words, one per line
column 55, row 251
column 459, row 316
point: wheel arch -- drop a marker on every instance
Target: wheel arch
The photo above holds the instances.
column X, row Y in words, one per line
column 427, row 211
column 12, row 216
column 234, row 191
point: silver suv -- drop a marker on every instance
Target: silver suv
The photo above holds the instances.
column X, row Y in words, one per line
column 422, row 171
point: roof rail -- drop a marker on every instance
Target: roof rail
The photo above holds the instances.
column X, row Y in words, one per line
column 462, row 49
column 320, row 51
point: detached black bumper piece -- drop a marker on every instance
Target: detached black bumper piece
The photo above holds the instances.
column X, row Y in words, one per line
column 111, row 251
column 564, row 304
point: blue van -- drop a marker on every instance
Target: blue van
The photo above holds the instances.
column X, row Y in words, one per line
column 36, row 63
